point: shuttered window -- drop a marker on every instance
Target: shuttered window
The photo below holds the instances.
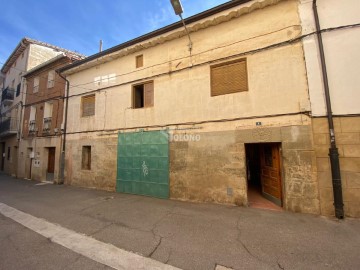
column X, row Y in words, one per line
column 229, row 78
column 143, row 95
column 149, row 94
column 139, row 61
column 88, row 106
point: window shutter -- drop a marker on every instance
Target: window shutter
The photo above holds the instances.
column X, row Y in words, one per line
column 139, row 61
column 229, row 78
column 88, row 105
column 149, row 94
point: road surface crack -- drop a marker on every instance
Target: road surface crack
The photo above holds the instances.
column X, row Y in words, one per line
column 280, row 266
column 156, row 247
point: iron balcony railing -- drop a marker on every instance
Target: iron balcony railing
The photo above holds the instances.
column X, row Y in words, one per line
column 32, row 127
column 8, row 126
column 7, row 95
column 47, row 124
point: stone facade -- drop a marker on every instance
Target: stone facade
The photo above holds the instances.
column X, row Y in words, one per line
column 103, row 161
column 214, row 168
column 347, row 131
column 205, row 170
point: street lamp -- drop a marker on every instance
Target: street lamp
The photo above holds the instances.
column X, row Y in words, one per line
column 178, row 11
column 177, row 7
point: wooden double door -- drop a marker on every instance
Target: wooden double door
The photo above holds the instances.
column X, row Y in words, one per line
column 264, row 170
column 271, row 183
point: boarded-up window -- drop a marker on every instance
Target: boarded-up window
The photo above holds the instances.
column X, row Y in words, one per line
column 88, row 105
column 139, row 61
column 228, row 78
column 143, row 95
column 36, row 84
column 86, row 158
column 51, row 79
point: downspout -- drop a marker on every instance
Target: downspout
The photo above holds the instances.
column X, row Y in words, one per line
column 333, row 150
column 20, row 130
column 62, row 158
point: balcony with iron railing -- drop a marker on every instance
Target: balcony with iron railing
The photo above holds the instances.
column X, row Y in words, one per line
column 32, row 127
column 47, row 124
column 7, row 96
column 8, row 126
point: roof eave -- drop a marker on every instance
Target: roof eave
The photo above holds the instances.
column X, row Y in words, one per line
column 161, row 31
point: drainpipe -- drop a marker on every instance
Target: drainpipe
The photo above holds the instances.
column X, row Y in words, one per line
column 19, row 127
column 62, row 158
column 333, row 150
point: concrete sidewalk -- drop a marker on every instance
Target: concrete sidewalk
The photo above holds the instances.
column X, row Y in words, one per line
column 192, row 236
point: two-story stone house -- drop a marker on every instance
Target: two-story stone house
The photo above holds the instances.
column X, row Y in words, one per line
column 214, row 123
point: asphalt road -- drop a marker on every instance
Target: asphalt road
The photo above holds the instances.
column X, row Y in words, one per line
column 22, row 248
column 184, row 235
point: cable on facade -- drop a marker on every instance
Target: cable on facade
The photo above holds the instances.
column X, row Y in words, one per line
column 280, row 44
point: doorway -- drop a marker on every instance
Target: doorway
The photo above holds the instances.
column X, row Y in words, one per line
column 264, row 175
column 28, row 163
column 51, row 164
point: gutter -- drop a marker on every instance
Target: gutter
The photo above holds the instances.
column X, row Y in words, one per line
column 333, row 150
column 62, row 158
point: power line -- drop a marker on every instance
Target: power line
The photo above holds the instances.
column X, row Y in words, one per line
column 185, row 57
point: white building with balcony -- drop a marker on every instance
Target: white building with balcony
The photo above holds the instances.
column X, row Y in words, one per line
column 28, row 54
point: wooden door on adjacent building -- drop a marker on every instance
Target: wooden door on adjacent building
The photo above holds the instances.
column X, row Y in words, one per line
column 270, row 172
column 51, row 164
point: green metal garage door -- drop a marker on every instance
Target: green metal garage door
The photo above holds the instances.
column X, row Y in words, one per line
column 143, row 163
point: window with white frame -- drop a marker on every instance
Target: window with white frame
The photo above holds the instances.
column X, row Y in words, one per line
column 48, row 109
column 32, row 119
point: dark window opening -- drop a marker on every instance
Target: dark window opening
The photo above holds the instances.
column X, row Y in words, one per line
column 139, row 96
column 143, row 95
column 86, row 158
column 18, row 89
column 8, row 153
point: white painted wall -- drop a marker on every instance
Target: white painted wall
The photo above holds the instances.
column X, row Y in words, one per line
column 341, row 51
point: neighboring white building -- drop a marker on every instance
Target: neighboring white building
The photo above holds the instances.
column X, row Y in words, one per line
column 340, row 27
column 28, row 54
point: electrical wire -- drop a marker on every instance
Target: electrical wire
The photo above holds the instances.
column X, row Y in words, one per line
column 284, row 43
column 224, row 46
column 185, row 57
column 275, row 45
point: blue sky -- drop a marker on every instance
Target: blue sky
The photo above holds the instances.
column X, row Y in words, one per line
column 79, row 24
